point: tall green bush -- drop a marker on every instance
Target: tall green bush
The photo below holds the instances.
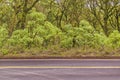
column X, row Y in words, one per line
column 78, row 36
column 3, row 35
column 114, row 39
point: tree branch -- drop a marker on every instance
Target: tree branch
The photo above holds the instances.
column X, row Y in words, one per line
column 34, row 3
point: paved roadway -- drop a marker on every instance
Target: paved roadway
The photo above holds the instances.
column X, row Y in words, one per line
column 56, row 69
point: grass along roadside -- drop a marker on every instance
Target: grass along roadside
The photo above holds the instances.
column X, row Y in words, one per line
column 62, row 53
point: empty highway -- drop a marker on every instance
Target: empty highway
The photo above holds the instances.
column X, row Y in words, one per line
column 60, row 69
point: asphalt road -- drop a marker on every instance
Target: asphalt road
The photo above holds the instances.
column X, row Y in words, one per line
column 56, row 69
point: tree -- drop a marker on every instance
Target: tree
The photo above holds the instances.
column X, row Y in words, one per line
column 102, row 11
column 21, row 8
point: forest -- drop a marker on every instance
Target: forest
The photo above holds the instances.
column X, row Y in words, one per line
column 60, row 28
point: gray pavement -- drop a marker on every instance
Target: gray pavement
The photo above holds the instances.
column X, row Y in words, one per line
column 59, row 62
column 56, row 73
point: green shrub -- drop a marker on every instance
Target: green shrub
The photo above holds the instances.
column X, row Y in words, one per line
column 3, row 35
column 114, row 39
column 78, row 36
column 99, row 40
column 4, row 51
column 36, row 17
column 43, row 32
column 66, row 42
column 20, row 37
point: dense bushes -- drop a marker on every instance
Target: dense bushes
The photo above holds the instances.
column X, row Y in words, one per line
column 40, row 33
column 47, row 35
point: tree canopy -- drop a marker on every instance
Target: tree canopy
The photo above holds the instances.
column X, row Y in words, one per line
column 62, row 23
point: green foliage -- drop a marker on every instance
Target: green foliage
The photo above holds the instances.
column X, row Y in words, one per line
column 85, row 34
column 99, row 40
column 114, row 39
column 66, row 41
column 36, row 17
column 78, row 36
column 20, row 37
column 3, row 35
column 43, row 32
column 50, row 24
column 4, row 51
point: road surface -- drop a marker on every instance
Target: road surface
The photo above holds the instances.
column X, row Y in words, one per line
column 56, row 69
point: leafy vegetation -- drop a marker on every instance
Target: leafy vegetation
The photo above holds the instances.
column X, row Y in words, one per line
column 37, row 26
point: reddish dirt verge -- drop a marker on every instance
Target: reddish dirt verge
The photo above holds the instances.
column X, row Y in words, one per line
column 47, row 57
